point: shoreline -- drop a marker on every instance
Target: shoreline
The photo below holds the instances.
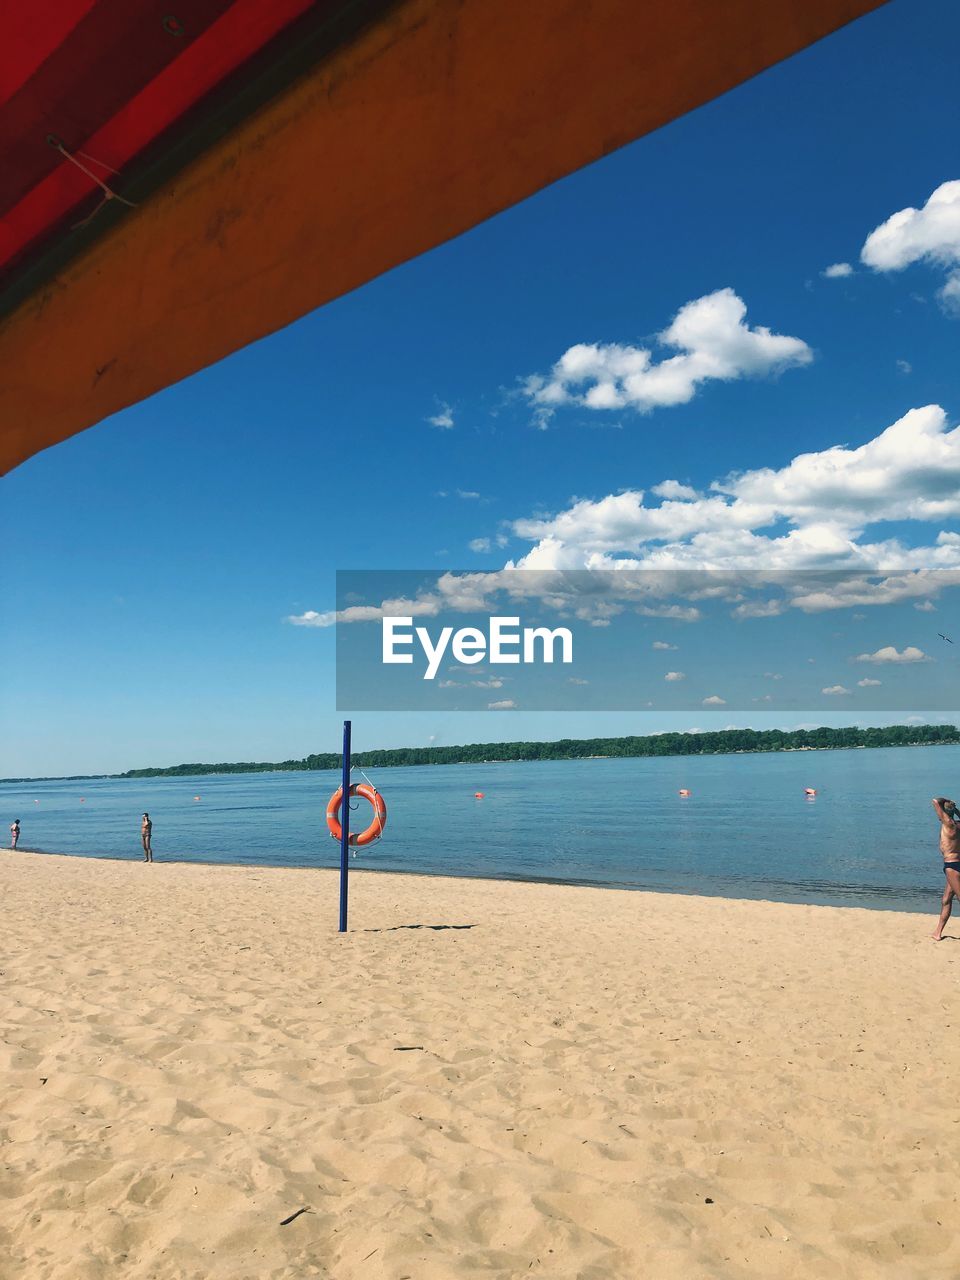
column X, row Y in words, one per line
column 619, row 887
column 202, row 1077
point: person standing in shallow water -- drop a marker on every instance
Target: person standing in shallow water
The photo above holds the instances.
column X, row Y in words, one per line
column 950, row 852
column 146, row 833
column 14, row 832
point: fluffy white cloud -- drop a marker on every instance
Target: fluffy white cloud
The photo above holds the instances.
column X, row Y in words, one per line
column 714, row 701
column 812, row 514
column 674, row 489
column 867, row 683
column 506, row 704
column 713, row 341
column 662, row 644
column 835, row 689
column 443, row 418
column 912, row 235
column 909, row 472
column 675, row 675
column 480, row 544
column 890, row 654
column 930, row 234
column 837, row 271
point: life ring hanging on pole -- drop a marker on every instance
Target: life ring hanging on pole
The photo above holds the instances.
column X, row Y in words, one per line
column 375, row 829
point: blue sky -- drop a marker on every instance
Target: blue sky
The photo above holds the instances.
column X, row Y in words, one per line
column 150, row 563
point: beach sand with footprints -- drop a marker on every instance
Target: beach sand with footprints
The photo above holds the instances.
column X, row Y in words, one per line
column 201, row 1079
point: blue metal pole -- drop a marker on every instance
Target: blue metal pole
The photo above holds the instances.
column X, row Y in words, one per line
column 345, row 827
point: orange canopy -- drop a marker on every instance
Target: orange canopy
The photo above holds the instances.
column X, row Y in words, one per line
column 281, row 152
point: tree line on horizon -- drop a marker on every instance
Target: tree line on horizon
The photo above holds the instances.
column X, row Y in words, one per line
column 718, row 742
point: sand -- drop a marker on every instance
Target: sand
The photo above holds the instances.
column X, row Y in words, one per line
column 481, row 1078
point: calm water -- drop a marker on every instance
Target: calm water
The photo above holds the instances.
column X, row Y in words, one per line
column 869, row 838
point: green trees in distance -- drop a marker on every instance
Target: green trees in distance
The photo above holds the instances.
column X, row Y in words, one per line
column 660, row 744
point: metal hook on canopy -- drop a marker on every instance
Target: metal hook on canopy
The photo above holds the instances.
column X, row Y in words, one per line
column 108, row 192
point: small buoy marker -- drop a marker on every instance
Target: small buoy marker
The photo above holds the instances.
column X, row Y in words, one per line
column 196, row 797
column 478, row 795
column 683, row 792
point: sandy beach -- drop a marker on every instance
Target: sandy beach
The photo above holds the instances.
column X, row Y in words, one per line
column 479, row 1079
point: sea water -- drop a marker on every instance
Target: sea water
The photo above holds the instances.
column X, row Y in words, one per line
column 868, row 838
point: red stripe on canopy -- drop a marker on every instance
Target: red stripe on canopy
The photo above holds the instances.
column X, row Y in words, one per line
column 144, row 91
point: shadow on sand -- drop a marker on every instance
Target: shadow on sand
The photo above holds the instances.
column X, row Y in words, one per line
column 436, row 927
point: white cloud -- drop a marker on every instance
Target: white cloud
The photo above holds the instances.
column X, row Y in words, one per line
column 714, row 344
column 714, row 701
column 826, row 500
column 487, row 684
column 835, row 689
column 674, row 489
column 443, row 418
column 760, row 609
column 949, row 295
column 480, row 544
column 904, row 366
column 772, row 675
column 507, row 704
column 925, row 606
column 675, row 675
column 837, row 271
column 662, row 644
column 867, row 683
column 930, row 235
column 890, row 654
column 576, row 680
column 679, row 612
column 813, row 514
column 467, row 493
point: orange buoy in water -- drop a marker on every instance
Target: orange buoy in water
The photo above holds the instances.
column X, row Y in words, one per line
column 478, row 795
column 683, row 792
column 809, row 791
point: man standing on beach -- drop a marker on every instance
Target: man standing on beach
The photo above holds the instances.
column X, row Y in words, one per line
column 950, row 852
column 14, row 832
column 146, row 831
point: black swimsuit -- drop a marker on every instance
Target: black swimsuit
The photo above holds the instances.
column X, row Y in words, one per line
column 951, row 866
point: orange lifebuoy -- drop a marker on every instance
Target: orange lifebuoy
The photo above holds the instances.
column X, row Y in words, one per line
column 375, row 829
